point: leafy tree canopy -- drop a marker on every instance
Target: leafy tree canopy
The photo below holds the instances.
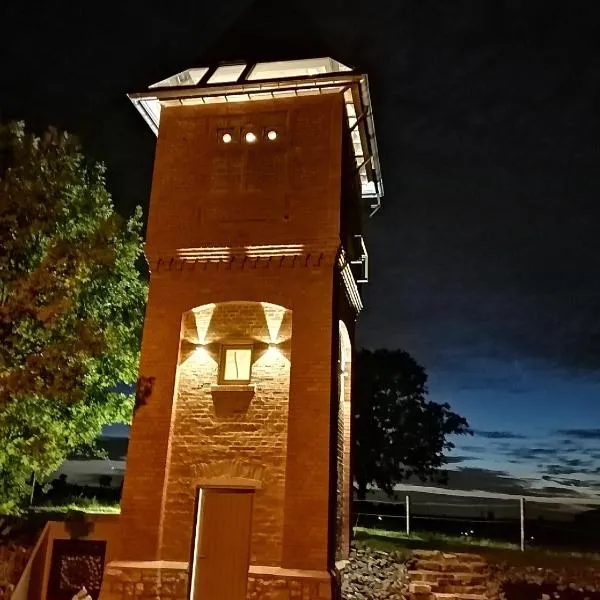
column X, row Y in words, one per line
column 71, row 305
column 398, row 431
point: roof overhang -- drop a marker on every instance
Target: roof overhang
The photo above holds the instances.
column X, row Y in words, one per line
column 242, row 82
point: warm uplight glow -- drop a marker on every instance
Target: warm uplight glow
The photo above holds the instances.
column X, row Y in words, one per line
column 272, row 135
column 250, row 137
column 274, row 317
column 226, row 138
column 202, row 315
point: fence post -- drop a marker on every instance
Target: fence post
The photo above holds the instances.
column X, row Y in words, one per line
column 407, row 504
column 522, row 511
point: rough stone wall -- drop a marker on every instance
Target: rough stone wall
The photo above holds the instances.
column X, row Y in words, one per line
column 124, row 582
column 265, row 587
column 127, row 582
column 13, row 558
column 208, row 429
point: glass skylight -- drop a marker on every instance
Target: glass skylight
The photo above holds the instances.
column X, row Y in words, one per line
column 273, row 80
column 295, row 68
column 185, row 78
column 227, row 74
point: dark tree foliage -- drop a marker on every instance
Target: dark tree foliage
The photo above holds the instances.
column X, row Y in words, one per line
column 398, row 432
column 71, row 306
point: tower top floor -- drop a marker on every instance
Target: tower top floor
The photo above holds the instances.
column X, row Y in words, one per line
column 249, row 82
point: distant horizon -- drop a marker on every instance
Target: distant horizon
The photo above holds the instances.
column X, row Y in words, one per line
column 469, row 472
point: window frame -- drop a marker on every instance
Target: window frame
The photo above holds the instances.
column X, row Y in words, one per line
column 223, row 359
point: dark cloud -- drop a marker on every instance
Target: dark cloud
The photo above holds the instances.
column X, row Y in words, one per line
column 580, row 434
column 569, row 482
column 453, row 460
column 534, row 453
column 473, row 448
column 499, row 435
column 554, row 491
column 553, row 470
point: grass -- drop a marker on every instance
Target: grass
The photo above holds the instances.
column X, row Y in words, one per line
column 86, row 505
column 390, row 541
column 382, row 539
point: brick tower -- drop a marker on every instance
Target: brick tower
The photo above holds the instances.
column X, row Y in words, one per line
column 238, row 470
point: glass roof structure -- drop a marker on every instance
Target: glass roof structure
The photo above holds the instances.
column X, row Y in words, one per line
column 246, row 82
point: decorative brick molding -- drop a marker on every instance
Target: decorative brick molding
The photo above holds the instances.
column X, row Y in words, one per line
column 316, row 259
column 228, row 473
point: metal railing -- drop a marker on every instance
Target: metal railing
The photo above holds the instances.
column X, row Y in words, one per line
column 457, row 517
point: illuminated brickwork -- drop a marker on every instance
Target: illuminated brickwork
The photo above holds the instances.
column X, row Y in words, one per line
column 243, row 243
column 212, row 426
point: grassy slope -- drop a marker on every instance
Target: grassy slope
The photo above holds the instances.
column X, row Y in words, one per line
column 497, row 552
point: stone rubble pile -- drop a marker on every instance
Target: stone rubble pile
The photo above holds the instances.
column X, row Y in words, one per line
column 13, row 558
column 375, row 575
column 566, row 582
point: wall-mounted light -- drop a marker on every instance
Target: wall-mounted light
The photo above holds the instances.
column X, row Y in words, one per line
column 250, row 137
column 271, row 135
column 226, row 138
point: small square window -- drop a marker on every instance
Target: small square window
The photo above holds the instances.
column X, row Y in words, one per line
column 236, row 364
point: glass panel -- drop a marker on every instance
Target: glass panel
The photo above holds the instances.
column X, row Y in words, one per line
column 187, row 77
column 237, row 364
column 295, row 68
column 152, row 107
column 227, row 74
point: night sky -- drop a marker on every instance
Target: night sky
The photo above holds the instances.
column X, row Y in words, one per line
column 485, row 259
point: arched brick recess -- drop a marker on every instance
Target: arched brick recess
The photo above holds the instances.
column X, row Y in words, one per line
column 209, row 446
column 228, row 473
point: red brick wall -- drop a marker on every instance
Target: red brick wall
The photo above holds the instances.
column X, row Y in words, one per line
column 205, row 194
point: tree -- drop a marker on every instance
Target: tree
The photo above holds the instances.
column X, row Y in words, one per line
column 398, row 432
column 71, row 306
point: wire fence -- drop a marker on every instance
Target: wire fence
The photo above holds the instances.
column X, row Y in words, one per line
column 526, row 521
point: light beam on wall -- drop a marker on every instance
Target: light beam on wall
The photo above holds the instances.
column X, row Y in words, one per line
column 203, row 316
column 274, row 317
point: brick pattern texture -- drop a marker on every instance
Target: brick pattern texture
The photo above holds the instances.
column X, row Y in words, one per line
column 208, row 430
column 144, row 583
column 214, row 209
column 288, row 588
column 207, row 195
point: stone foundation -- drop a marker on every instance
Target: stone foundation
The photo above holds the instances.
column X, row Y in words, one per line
column 270, row 583
column 162, row 580
column 145, row 580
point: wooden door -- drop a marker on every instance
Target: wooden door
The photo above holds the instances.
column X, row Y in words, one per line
column 222, row 546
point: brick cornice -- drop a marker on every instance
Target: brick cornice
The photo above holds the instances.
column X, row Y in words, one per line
column 257, row 257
